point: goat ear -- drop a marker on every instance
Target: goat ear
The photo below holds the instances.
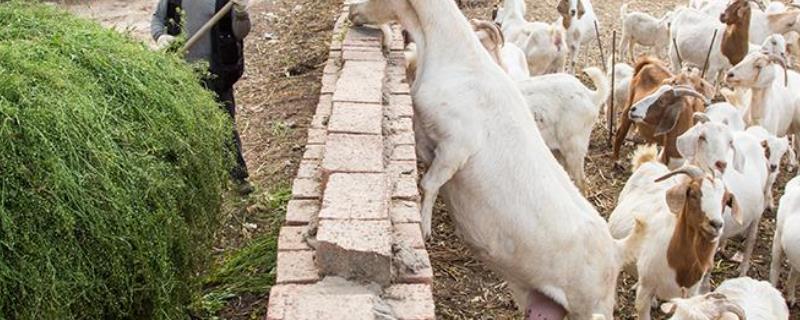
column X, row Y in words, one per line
column 669, row 119
column 729, row 200
column 687, row 143
column 738, row 158
column 676, row 197
column 668, row 307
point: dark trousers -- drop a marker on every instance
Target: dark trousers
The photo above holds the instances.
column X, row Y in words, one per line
column 226, row 99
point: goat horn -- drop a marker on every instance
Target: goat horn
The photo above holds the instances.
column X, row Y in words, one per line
column 700, row 117
column 682, row 91
column 728, row 306
column 779, row 60
column 691, row 171
column 759, row 4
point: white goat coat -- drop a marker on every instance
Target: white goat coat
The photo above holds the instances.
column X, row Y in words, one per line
column 787, row 233
column 565, row 112
column 693, row 31
column 759, row 299
column 514, row 60
column 725, row 113
column 780, row 104
column 509, row 198
column 645, row 199
column 746, row 181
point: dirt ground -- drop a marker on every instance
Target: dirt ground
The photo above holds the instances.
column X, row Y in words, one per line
column 285, row 53
column 465, row 289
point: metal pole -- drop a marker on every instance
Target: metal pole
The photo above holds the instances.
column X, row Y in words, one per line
column 206, row 27
column 708, row 55
column 677, row 53
column 611, row 112
column 600, row 45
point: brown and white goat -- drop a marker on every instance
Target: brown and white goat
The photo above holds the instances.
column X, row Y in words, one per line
column 661, row 105
column 685, row 209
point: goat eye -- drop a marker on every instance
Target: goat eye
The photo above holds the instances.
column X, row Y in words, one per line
column 702, row 138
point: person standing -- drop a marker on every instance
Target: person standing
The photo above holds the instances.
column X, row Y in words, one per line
column 222, row 48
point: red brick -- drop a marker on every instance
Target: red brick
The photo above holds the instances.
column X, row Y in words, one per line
column 320, row 121
column 353, row 153
column 306, row 189
column 316, row 136
column 292, row 239
column 360, row 81
column 355, row 249
column 397, row 84
column 296, row 267
column 400, row 125
column 362, row 196
column 402, row 138
column 329, row 83
column 321, row 301
column 356, row 118
column 401, row 105
column 405, row 188
column 332, row 67
column 423, row 275
column 359, row 55
column 411, row 301
column 402, row 167
column 300, row 212
column 314, row 152
column 309, row 169
column 325, row 105
column 404, row 152
column 363, row 37
column 403, row 211
column 409, row 234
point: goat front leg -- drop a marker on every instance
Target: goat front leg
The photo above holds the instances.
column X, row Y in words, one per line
column 644, row 297
column 449, row 157
column 749, row 244
column 791, row 286
column 777, row 258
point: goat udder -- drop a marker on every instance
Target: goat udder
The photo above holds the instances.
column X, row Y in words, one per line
column 541, row 307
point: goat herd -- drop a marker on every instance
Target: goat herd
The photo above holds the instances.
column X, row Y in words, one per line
column 496, row 119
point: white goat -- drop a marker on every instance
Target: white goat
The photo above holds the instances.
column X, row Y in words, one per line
column 774, row 150
column 579, row 19
column 534, row 228
column 787, row 239
column 623, row 73
column 684, row 221
column 739, row 298
column 774, row 103
column 543, row 44
column 565, row 112
column 515, row 62
column 645, row 30
column 746, row 181
column 727, row 114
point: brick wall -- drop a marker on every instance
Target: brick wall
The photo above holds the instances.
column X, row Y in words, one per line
column 351, row 247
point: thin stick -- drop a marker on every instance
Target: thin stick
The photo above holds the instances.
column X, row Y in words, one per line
column 708, row 54
column 678, row 53
column 611, row 113
column 600, row 45
column 206, row 27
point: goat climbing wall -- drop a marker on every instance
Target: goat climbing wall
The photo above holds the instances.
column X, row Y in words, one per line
column 352, row 247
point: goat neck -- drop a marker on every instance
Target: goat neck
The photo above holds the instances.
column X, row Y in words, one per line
column 434, row 24
column 691, row 251
column 736, row 39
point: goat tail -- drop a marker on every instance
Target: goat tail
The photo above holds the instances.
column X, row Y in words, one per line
column 642, row 155
column 632, row 244
column 623, row 11
column 601, row 83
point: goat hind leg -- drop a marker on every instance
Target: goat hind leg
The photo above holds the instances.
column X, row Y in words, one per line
column 791, row 287
column 749, row 244
column 777, row 258
column 448, row 158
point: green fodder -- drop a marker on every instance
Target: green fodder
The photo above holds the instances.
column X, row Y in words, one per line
column 112, row 166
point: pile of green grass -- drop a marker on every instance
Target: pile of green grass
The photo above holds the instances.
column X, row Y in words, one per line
column 112, row 167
